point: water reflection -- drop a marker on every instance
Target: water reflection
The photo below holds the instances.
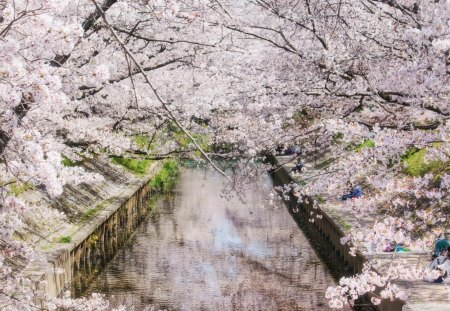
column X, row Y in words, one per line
column 198, row 251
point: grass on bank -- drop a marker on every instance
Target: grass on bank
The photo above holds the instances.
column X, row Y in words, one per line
column 18, row 188
column 367, row 143
column 417, row 164
column 144, row 142
column 69, row 162
column 166, row 177
column 137, row 166
column 161, row 182
column 65, row 239
column 345, row 225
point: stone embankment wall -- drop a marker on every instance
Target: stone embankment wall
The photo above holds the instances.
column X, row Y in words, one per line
column 100, row 245
column 330, row 230
column 100, row 218
column 336, row 221
column 327, row 227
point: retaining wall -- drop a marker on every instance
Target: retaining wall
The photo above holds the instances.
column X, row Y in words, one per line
column 331, row 231
column 117, row 213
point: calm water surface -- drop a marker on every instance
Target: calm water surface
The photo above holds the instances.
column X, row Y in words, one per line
column 199, row 251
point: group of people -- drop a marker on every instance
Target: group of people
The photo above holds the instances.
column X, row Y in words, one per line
column 293, row 150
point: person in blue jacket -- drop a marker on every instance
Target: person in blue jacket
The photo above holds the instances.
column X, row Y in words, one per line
column 356, row 193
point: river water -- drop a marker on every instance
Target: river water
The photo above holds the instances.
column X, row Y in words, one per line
column 199, row 251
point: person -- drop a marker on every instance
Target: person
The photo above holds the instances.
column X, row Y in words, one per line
column 399, row 248
column 294, row 150
column 441, row 245
column 279, row 150
column 441, row 264
column 299, row 166
column 356, row 193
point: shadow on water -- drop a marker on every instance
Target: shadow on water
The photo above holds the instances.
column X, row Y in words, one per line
column 196, row 250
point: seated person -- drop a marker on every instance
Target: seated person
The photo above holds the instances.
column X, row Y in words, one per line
column 293, row 150
column 298, row 167
column 279, row 150
column 441, row 245
column 440, row 268
column 394, row 247
column 356, row 193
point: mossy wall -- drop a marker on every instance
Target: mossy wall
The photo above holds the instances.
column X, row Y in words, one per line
column 93, row 253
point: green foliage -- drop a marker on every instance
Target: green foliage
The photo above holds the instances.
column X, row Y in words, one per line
column 345, row 225
column 416, row 164
column 65, row 239
column 320, row 199
column 337, row 137
column 70, row 163
column 223, row 147
column 172, row 127
column 144, row 142
column 90, row 213
column 324, row 164
column 367, row 143
column 182, row 139
column 203, row 140
column 166, row 177
column 93, row 239
column 94, row 211
column 336, row 217
column 302, row 117
column 18, row 188
column 153, row 204
column 360, row 108
column 137, row 166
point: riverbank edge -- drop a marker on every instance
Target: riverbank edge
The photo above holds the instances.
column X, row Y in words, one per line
column 56, row 268
column 332, row 230
column 334, row 224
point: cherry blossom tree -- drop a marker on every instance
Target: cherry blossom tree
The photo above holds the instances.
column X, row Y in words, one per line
column 370, row 78
column 366, row 81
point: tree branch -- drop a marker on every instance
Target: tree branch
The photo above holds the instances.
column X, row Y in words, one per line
column 162, row 102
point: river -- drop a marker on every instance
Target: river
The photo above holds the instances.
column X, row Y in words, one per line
column 199, row 251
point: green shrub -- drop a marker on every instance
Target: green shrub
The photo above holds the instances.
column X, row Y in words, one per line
column 416, row 164
column 18, row 188
column 320, row 199
column 65, row 239
column 367, row 143
column 144, row 142
column 137, row 166
column 337, row 137
column 165, row 179
column 69, row 162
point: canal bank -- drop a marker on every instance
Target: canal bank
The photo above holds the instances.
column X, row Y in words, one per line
column 334, row 222
column 100, row 218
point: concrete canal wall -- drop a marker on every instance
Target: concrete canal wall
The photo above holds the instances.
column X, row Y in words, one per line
column 330, row 229
column 100, row 218
column 335, row 222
